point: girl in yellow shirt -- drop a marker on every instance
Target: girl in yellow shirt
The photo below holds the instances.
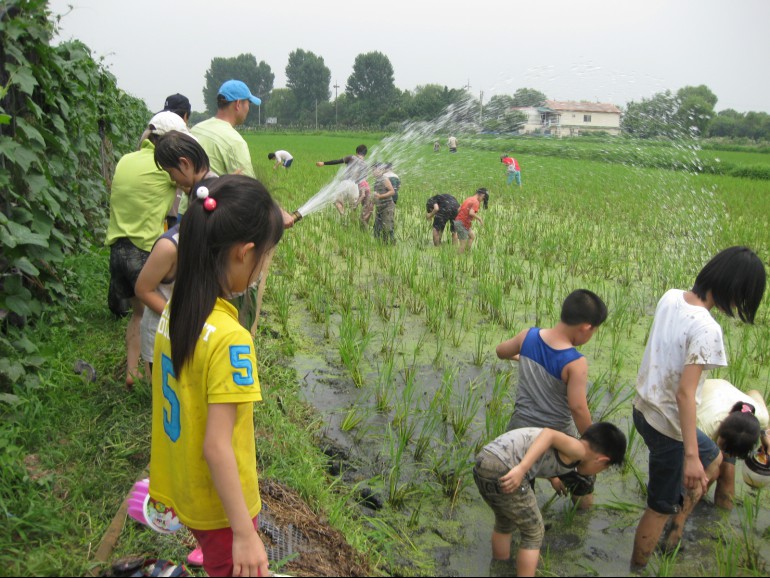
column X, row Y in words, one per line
column 203, row 464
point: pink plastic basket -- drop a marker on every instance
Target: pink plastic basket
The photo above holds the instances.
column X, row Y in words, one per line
column 141, row 510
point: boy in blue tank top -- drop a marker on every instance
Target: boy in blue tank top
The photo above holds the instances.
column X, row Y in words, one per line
column 553, row 378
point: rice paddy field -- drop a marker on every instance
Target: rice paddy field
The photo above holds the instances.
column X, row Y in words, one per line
column 394, row 345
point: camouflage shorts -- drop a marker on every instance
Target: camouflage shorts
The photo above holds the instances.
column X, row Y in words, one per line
column 517, row 510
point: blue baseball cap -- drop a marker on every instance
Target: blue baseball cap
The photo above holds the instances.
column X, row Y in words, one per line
column 233, row 90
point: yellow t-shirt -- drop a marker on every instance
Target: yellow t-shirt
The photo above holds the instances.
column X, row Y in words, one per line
column 223, row 369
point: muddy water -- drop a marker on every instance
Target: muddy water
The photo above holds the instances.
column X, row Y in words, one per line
column 452, row 537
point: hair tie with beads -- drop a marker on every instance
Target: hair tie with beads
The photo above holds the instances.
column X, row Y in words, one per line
column 209, row 203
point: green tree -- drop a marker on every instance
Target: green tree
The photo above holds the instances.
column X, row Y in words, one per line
column 308, row 78
column 282, row 106
column 258, row 77
column 696, row 107
column 655, row 117
column 499, row 116
column 429, row 101
column 528, row 97
column 371, row 85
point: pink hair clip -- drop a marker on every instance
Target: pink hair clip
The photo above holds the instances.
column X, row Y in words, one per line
column 747, row 408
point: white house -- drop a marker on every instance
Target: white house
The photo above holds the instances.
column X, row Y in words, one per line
column 571, row 118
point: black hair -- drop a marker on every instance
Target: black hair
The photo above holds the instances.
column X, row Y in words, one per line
column 271, row 156
column 606, row 439
column 174, row 145
column 583, row 306
column 736, row 278
column 244, row 213
column 483, row 191
column 739, row 431
column 362, row 150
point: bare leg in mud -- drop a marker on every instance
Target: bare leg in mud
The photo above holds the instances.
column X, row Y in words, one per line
column 691, row 498
column 646, row 539
column 133, row 343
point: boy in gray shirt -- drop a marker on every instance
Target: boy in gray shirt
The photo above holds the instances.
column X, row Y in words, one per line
column 505, row 467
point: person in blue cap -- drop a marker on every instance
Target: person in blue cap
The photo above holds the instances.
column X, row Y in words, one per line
column 226, row 148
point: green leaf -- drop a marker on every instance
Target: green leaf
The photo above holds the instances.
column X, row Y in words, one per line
column 13, row 369
column 5, row 119
column 23, row 78
column 24, row 236
column 30, row 131
column 9, row 398
column 25, row 345
column 17, row 305
column 25, row 266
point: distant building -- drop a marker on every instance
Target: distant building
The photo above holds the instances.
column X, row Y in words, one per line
column 561, row 119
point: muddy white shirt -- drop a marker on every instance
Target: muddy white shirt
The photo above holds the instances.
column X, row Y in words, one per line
column 717, row 399
column 682, row 334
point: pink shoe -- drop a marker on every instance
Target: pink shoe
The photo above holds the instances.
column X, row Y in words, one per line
column 195, row 558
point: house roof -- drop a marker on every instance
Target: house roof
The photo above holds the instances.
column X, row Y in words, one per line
column 559, row 106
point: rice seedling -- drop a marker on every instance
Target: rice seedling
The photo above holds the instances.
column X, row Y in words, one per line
column 452, row 470
column 480, row 351
column 463, row 413
column 665, row 562
column 353, row 418
column 727, row 551
column 748, row 512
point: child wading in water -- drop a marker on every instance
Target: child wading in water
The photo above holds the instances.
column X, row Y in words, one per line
column 505, row 468
column 553, row 377
column 685, row 342
column 203, row 464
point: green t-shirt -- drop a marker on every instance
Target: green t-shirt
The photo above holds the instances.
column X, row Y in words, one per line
column 140, row 199
column 224, row 145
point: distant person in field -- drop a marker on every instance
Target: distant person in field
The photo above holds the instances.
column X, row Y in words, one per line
column 442, row 209
column 347, row 196
column 513, row 169
column 357, row 170
column 140, row 198
column 468, row 213
column 684, row 343
column 436, row 146
column 385, row 217
column 452, row 144
column 553, row 379
column 281, row 158
column 395, row 180
column 506, row 468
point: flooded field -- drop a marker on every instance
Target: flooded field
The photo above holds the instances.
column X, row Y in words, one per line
column 394, row 348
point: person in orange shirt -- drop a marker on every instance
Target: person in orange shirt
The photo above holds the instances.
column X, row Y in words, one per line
column 469, row 212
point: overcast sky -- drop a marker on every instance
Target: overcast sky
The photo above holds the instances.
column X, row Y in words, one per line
column 611, row 51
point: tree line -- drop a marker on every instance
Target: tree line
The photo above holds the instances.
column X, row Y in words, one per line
column 370, row 98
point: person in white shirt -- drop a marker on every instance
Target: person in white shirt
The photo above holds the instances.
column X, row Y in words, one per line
column 281, row 158
column 685, row 342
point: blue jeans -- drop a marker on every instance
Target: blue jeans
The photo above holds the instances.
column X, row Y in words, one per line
column 514, row 175
column 665, row 490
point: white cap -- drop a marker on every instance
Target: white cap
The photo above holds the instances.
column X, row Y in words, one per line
column 166, row 121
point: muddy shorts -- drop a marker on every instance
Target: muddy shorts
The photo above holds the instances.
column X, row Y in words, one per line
column 440, row 221
column 463, row 234
column 517, row 510
column 665, row 489
column 126, row 262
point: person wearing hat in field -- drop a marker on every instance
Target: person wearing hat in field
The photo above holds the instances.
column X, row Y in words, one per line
column 469, row 212
column 226, row 148
column 140, row 198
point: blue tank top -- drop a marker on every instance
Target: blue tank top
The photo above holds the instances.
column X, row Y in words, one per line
column 553, row 360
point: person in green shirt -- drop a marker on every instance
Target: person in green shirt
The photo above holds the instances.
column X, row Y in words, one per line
column 140, row 197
